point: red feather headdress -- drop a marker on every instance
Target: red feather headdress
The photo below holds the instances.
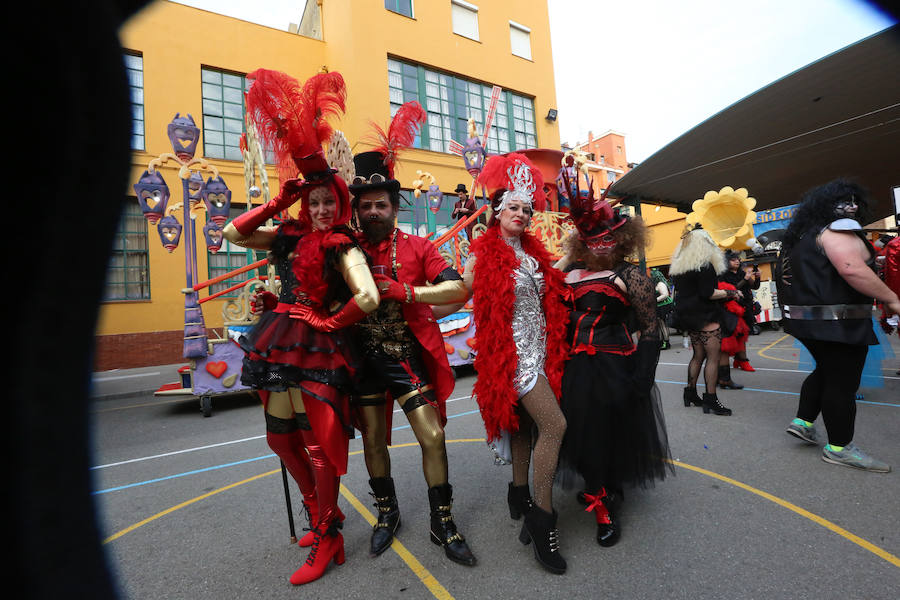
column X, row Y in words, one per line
column 517, row 175
column 595, row 220
column 292, row 120
column 401, row 133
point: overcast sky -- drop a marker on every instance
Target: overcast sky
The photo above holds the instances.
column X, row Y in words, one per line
column 653, row 69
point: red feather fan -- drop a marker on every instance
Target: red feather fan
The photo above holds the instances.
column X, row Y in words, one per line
column 290, row 120
column 400, row 135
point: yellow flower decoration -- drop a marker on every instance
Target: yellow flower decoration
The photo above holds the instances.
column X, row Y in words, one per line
column 727, row 215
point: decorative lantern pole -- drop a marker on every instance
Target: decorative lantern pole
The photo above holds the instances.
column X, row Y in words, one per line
column 212, row 195
column 433, row 197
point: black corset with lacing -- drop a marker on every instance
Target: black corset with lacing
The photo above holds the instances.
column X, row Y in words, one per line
column 598, row 317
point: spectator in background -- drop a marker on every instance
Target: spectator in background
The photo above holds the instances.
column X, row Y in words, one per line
column 664, row 305
column 744, row 280
column 464, row 208
column 826, row 284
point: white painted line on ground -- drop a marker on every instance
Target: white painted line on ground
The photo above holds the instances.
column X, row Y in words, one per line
column 198, row 448
column 134, row 460
column 102, row 379
column 768, row 369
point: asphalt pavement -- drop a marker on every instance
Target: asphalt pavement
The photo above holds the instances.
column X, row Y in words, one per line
column 194, row 507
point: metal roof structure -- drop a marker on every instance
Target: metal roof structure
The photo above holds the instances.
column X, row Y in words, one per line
column 839, row 116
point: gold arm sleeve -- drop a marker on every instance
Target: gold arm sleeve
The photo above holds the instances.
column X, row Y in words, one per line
column 355, row 271
column 261, row 239
column 446, row 292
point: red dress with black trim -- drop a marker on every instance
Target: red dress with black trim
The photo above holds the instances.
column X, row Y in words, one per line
column 283, row 353
column 416, row 261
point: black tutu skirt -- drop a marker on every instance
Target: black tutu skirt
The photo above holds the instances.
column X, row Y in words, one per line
column 615, row 436
column 281, row 352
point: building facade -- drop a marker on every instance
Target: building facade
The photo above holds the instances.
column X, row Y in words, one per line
column 446, row 54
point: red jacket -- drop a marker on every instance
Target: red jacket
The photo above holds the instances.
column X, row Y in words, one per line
column 892, row 265
column 418, row 262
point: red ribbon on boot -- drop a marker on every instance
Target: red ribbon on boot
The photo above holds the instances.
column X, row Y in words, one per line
column 595, row 503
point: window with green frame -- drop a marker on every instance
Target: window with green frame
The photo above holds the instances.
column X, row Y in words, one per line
column 450, row 101
column 230, row 257
column 403, row 7
column 413, row 216
column 128, row 271
column 134, row 70
column 223, row 113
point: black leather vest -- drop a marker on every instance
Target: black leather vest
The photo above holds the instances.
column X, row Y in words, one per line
column 804, row 276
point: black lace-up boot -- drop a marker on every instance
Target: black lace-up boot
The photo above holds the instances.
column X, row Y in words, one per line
column 519, row 499
column 443, row 529
column 711, row 403
column 541, row 529
column 388, row 514
column 691, row 397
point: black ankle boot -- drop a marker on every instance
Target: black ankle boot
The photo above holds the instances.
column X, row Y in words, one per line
column 388, row 514
column 443, row 529
column 725, row 379
column 540, row 526
column 519, row 499
column 691, row 397
column 711, row 403
column 608, row 533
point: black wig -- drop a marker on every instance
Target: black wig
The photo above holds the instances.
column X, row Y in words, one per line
column 816, row 210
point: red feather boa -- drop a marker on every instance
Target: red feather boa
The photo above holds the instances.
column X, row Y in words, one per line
column 493, row 300
column 312, row 276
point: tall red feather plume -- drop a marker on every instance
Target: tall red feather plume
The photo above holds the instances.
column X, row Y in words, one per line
column 495, row 176
column 290, row 120
column 400, row 135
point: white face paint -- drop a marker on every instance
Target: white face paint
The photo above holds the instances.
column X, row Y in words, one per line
column 846, row 209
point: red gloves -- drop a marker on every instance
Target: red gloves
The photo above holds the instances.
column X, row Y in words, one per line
column 350, row 314
column 261, row 301
column 394, row 290
column 250, row 221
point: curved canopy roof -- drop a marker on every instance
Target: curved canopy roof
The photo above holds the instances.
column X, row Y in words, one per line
column 839, row 116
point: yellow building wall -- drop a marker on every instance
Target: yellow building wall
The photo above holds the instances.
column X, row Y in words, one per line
column 176, row 41
column 666, row 226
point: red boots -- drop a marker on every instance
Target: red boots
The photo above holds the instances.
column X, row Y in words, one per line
column 328, row 544
column 743, row 365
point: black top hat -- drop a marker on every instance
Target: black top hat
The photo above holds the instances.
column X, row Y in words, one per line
column 461, row 188
column 372, row 174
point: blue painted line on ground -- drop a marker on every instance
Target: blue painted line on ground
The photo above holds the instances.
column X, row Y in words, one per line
column 232, row 464
column 785, row 393
column 149, row 481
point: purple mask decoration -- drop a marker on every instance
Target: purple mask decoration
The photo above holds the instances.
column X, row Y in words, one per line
column 434, row 198
column 217, row 197
column 153, row 195
column 195, row 187
column 184, row 135
column 169, row 230
column 213, row 234
column 474, row 156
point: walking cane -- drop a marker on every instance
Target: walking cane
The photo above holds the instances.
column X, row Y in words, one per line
column 287, row 500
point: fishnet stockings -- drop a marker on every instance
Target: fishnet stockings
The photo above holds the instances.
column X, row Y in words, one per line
column 706, row 345
column 538, row 408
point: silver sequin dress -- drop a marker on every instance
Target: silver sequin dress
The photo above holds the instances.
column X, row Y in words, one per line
column 528, row 323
